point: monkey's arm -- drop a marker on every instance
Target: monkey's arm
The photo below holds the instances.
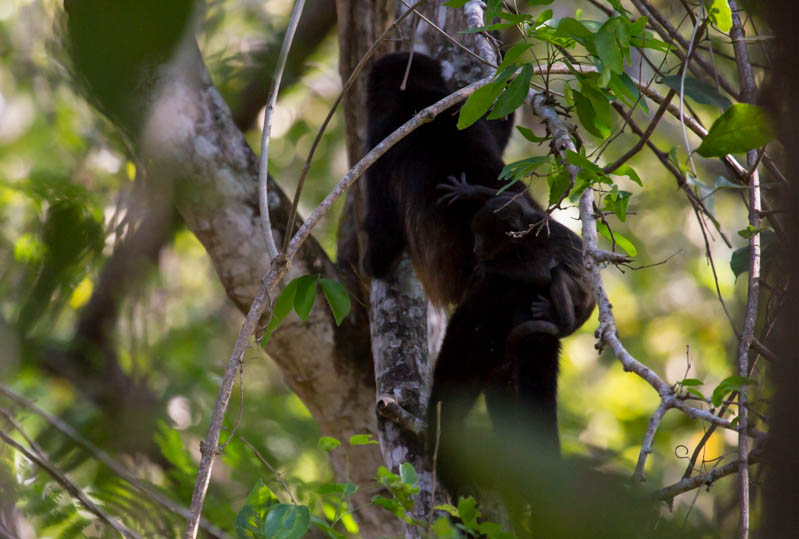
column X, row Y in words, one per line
column 459, row 189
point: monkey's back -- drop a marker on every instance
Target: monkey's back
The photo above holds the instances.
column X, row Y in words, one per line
column 438, row 237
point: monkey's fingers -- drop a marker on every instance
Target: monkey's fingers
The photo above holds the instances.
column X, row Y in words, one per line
column 449, row 198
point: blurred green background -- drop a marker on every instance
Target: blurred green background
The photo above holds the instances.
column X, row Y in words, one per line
column 66, row 176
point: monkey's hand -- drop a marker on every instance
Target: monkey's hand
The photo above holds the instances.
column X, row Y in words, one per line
column 456, row 189
column 541, row 309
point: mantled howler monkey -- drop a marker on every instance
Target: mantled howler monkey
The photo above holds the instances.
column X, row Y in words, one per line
column 516, row 297
column 528, row 290
column 401, row 186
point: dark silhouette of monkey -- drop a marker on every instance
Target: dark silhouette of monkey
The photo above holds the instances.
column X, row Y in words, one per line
column 401, row 186
column 529, row 290
column 516, row 296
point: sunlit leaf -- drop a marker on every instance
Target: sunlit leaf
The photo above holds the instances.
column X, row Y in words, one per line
column 252, row 516
column 625, row 244
column 362, row 439
column 287, row 521
column 742, row 127
column 328, row 443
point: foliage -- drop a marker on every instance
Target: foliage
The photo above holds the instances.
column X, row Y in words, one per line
column 67, row 195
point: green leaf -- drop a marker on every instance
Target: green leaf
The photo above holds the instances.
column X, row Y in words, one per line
column 467, row 509
column 742, row 127
column 285, row 301
column 601, row 103
column 362, row 439
column 478, row 103
column 443, row 529
column 250, row 520
column 627, row 170
column 625, row 89
column 328, row 443
column 305, row 296
column 625, row 244
column 448, row 508
column 539, row 2
column 287, row 521
column 695, row 392
column 457, row 4
column 574, row 158
column 514, row 95
column 769, row 249
column 616, row 201
column 558, row 184
column 720, row 14
column 587, row 116
column 521, row 169
column 699, row 91
column 575, row 29
column 728, row 385
column 408, row 473
column 513, row 54
column 337, row 297
column 529, row 135
column 608, row 48
column 326, row 528
column 691, row 382
column 750, row 231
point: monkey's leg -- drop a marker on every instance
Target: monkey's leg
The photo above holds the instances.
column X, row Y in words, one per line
column 535, row 357
column 472, row 349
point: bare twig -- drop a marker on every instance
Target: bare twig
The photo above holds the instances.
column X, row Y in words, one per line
column 43, row 462
column 667, row 31
column 107, row 460
column 646, row 445
column 748, row 91
column 644, row 137
column 690, row 483
column 265, row 462
column 263, row 198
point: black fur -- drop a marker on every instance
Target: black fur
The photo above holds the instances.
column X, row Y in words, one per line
column 401, row 187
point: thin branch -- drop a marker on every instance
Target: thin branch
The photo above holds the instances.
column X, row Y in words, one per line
column 748, row 92
column 646, row 445
column 263, row 198
column 448, row 37
column 644, row 137
column 347, row 85
column 698, row 29
column 667, row 31
column 690, row 483
column 265, row 462
column 43, row 462
column 103, row 457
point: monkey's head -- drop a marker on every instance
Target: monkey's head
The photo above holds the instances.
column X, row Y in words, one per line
column 424, row 83
column 494, row 224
